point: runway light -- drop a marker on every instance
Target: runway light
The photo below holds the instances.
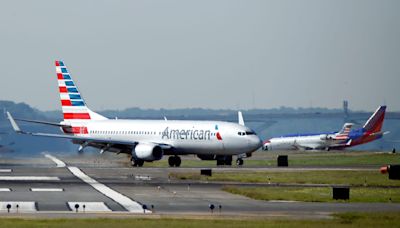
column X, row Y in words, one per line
column 144, row 208
column 17, row 206
column 76, row 207
column 8, row 208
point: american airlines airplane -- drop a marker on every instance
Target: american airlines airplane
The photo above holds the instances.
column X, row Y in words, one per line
column 333, row 140
column 146, row 140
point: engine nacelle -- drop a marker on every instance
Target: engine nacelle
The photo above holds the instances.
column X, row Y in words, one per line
column 326, row 137
column 148, row 152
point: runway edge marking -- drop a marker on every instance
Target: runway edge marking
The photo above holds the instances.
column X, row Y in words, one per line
column 58, row 162
column 47, row 190
column 28, row 178
column 5, row 170
column 124, row 201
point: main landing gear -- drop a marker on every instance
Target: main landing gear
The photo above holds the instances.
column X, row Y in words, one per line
column 224, row 160
column 174, row 161
column 239, row 162
column 227, row 160
column 137, row 162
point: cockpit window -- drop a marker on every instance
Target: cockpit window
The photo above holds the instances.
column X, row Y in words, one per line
column 241, row 133
column 250, row 133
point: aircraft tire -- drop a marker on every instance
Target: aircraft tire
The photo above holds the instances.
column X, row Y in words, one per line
column 140, row 163
column 239, row 162
column 178, row 161
column 228, row 160
column 137, row 163
column 171, row 161
column 220, row 162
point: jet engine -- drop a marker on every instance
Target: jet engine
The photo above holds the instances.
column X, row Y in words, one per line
column 326, row 137
column 148, row 152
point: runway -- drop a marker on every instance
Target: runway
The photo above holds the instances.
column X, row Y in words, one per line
column 49, row 185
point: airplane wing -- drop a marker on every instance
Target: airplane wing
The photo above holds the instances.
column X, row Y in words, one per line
column 43, row 122
column 304, row 146
column 120, row 146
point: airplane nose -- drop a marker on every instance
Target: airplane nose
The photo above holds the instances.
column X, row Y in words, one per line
column 257, row 142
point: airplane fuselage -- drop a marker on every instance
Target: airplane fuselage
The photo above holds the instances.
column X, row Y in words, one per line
column 184, row 137
column 313, row 142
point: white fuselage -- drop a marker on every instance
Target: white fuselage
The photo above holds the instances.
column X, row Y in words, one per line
column 311, row 142
column 185, row 137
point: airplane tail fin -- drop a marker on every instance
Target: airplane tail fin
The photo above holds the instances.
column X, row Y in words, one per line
column 344, row 132
column 240, row 118
column 375, row 122
column 73, row 106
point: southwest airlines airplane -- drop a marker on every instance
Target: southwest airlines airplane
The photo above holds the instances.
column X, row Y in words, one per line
column 333, row 140
column 146, row 140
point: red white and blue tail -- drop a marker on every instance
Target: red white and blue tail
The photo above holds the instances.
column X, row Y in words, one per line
column 344, row 133
column 73, row 106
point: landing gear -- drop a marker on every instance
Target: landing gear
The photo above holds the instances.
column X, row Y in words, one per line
column 137, row 162
column 239, row 162
column 174, row 161
column 224, row 160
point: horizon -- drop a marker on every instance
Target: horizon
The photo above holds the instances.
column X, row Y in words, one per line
column 338, row 109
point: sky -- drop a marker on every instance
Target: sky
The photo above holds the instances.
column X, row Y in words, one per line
column 236, row 54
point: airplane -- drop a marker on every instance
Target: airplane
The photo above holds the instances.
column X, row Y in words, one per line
column 146, row 140
column 332, row 140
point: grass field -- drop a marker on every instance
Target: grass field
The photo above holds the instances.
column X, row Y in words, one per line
column 352, row 178
column 323, row 158
column 361, row 220
column 316, row 194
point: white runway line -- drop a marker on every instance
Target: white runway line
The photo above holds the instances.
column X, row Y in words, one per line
column 5, row 170
column 124, row 201
column 56, row 160
column 47, row 189
column 28, row 178
column 89, row 206
column 5, row 190
column 22, row 206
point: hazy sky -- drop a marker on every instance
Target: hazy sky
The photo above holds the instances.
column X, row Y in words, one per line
column 210, row 54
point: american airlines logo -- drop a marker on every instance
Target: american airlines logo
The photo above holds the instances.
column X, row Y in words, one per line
column 188, row 134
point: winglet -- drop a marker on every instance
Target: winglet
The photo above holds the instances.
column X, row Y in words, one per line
column 13, row 123
column 240, row 117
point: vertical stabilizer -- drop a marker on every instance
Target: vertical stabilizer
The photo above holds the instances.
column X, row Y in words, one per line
column 240, row 117
column 73, row 106
column 344, row 132
column 375, row 122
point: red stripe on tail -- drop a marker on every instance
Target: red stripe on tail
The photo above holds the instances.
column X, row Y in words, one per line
column 66, row 103
column 76, row 116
